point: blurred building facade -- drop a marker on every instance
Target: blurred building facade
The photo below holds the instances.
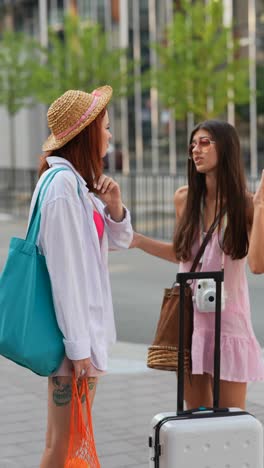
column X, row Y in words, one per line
column 145, row 135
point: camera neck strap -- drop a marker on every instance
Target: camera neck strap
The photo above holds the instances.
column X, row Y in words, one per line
column 207, row 239
column 221, row 233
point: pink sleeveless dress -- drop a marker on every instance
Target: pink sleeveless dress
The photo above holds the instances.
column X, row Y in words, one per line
column 66, row 367
column 241, row 356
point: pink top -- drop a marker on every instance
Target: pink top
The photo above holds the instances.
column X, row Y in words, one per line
column 241, row 357
column 99, row 224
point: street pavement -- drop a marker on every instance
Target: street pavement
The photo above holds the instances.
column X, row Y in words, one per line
column 127, row 397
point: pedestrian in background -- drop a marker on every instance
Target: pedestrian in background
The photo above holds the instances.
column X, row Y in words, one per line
column 82, row 217
column 256, row 246
column 216, row 181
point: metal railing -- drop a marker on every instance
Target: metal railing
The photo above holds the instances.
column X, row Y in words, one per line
column 148, row 196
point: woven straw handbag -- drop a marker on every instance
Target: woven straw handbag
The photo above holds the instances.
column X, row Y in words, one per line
column 163, row 353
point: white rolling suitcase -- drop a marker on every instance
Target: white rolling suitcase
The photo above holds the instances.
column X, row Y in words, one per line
column 205, row 437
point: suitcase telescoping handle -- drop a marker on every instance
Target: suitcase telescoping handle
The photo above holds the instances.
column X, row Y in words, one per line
column 182, row 279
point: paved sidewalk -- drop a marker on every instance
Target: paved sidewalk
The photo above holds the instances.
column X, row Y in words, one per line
column 127, row 398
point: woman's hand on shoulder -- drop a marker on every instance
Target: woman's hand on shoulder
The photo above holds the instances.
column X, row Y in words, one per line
column 180, row 198
column 109, row 192
column 107, row 189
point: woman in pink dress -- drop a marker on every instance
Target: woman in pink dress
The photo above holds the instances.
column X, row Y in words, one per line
column 216, row 180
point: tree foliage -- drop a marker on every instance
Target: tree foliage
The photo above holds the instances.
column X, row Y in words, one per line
column 18, row 57
column 81, row 59
column 199, row 67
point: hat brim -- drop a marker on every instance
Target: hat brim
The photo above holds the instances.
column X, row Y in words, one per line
column 104, row 96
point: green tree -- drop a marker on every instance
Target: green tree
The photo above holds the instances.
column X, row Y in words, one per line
column 18, row 58
column 81, row 59
column 199, row 67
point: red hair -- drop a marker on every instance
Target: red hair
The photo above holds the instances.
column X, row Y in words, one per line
column 83, row 152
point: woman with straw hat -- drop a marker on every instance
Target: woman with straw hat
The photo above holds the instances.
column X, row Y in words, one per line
column 82, row 216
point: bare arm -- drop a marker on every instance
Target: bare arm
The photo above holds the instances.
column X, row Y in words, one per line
column 256, row 244
column 154, row 247
column 158, row 248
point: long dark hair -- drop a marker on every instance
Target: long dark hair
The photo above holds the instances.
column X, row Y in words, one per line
column 83, row 151
column 230, row 189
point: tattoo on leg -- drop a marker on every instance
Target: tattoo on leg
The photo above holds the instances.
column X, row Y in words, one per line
column 62, row 393
column 91, row 383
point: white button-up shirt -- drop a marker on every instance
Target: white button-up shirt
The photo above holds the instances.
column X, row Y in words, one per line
column 78, row 263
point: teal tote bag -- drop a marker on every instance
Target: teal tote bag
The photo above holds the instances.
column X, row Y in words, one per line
column 29, row 333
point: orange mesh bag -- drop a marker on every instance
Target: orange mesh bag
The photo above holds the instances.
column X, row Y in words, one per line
column 81, row 450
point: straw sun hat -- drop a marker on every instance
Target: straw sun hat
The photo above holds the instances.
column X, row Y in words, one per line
column 72, row 112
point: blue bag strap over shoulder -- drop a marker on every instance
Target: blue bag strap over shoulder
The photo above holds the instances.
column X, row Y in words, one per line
column 34, row 225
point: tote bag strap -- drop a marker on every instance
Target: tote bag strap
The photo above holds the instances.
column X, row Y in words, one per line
column 33, row 228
